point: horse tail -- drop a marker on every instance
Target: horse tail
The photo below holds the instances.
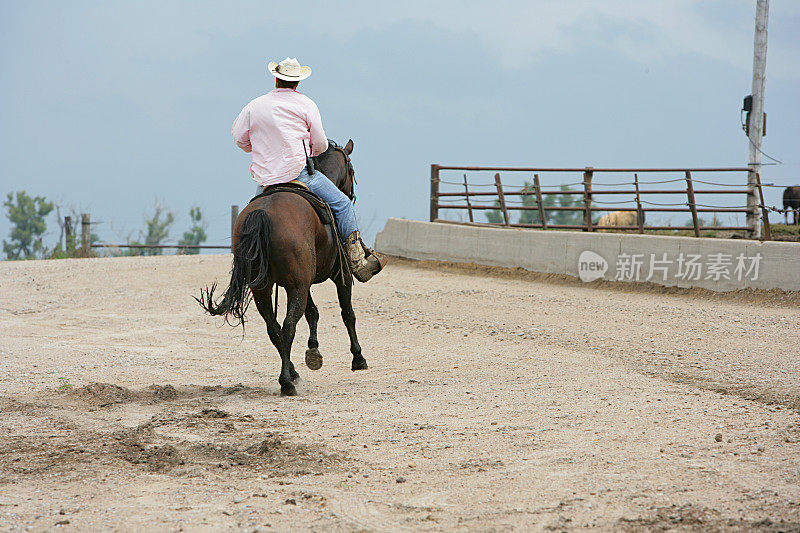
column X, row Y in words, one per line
column 250, row 270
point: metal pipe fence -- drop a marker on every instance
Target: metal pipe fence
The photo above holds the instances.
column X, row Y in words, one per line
column 639, row 197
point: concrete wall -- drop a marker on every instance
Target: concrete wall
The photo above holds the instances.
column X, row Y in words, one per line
column 716, row 264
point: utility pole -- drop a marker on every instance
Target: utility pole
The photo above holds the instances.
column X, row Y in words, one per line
column 756, row 132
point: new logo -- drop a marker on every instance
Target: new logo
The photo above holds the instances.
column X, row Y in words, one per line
column 591, row 266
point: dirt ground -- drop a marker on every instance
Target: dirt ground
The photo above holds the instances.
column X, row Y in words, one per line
column 492, row 403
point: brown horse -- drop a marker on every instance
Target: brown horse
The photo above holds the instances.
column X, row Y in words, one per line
column 279, row 240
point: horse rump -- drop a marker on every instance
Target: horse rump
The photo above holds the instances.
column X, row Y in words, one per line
column 250, row 270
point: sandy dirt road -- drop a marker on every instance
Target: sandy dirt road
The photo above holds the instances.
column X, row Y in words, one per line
column 491, row 404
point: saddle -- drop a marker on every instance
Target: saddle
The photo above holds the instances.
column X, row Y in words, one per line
column 322, row 209
column 341, row 267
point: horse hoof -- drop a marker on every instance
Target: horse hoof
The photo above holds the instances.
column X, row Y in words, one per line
column 313, row 359
column 360, row 364
column 288, row 390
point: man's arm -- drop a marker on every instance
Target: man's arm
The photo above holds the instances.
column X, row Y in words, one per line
column 241, row 130
column 319, row 142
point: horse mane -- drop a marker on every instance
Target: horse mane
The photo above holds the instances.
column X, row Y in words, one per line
column 333, row 147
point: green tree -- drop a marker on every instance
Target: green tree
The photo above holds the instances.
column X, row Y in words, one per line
column 27, row 216
column 495, row 216
column 566, row 200
column 548, row 200
column 133, row 251
column 158, row 228
column 529, row 200
column 197, row 233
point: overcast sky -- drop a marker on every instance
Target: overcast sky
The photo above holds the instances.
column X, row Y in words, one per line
column 106, row 106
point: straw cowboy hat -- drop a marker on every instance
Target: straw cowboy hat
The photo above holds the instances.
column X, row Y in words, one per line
column 289, row 70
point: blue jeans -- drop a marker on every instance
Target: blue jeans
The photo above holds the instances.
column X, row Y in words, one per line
column 342, row 208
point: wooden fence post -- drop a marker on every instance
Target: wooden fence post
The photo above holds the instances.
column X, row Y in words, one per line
column 434, row 192
column 764, row 212
column 466, row 194
column 68, row 242
column 639, row 212
column 692, row 205
column 234, row 216
column 538, row 188
column 86, row 234
column 587, row 199
column 502, row 198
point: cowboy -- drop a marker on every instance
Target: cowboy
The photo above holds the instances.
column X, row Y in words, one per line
column 277, row 127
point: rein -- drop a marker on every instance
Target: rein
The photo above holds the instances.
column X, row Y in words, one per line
column 350, row 175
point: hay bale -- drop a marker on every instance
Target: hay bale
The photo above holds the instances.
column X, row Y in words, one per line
column 618, row 218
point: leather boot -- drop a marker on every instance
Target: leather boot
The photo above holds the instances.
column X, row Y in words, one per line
column 363, row 268
column 376, row 260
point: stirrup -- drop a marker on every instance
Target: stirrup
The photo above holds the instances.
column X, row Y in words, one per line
column 375, row 259
column 364, row 262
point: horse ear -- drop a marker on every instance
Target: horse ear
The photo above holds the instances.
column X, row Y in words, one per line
column 348, row 148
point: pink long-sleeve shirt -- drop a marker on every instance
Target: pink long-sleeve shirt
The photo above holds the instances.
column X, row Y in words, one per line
column 273, row 127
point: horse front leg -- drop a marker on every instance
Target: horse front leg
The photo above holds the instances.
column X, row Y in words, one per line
column 345, row 293
column 313, row 357
column 294, row 311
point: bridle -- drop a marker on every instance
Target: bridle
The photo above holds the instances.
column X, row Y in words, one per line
column 350, row 175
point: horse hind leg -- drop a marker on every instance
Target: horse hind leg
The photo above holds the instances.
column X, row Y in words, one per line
column 313, row 357
column 294, row 311
column 345, row 293
column 263, row 300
